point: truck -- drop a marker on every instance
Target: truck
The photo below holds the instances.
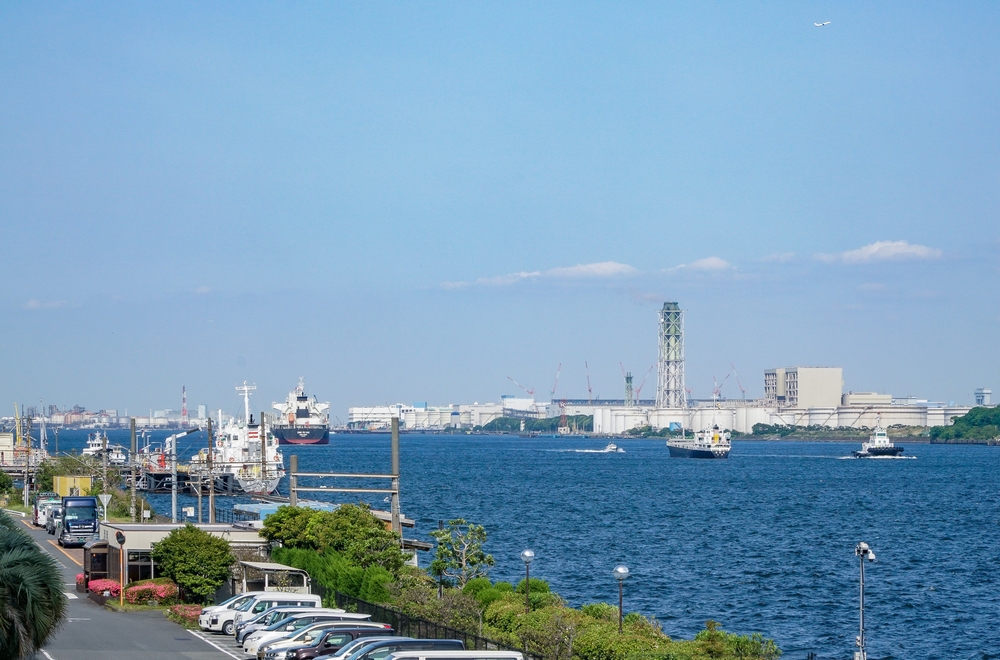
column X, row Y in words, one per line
column 42, row 502
column 79, row 521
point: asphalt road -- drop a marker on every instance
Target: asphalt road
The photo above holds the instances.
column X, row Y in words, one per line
column 92, row 632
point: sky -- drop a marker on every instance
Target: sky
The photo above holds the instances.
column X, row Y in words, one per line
column 407, row 202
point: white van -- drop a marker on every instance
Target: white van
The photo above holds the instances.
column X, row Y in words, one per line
column 266, row 601
column 454, row 655
column 204, row 619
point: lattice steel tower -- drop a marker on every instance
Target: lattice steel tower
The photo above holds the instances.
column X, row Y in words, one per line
column 670, row 392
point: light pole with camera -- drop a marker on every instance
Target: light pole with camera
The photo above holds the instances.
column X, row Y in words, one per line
column 863, row 552
column 620, row 573
column 527, row 556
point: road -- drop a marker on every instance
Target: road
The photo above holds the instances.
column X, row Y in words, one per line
column 92, row 632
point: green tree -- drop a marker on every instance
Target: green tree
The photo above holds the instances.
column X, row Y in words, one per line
column 32, row 602
column 197, row 561
column 352, row 530
column 459, row 554
column 6, row 483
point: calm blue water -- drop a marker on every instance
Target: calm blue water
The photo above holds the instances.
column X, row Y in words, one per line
column 761, row 542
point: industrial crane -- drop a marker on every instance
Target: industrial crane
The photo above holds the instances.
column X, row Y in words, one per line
column 590, row 392
column 552, row 394
column 530, row 392
column 638, row 390
column 739, row 382
column 717, row 390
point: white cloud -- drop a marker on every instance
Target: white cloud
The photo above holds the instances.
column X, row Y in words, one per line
column 509, row 278
column 882, row 251
column 599, row 269
column 710, row 263
column 38, row 304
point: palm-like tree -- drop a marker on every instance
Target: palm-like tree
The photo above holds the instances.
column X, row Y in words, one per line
column 32, row 601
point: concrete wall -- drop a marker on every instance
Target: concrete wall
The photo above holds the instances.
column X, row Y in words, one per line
column 819, row 387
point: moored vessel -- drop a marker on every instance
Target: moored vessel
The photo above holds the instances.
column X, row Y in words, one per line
column 302, row 420
column 708, row 443
column 879, row 445
column 97, row 446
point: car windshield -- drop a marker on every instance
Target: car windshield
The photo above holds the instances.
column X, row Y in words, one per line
column 364, row 648
column 81, row 513
column 245, row 605
column 351, row 647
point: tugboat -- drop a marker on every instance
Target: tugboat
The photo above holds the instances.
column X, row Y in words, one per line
column 302, row 419
column 709, row 443
column 879, row 445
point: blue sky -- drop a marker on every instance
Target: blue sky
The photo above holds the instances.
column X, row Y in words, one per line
column 413, row 201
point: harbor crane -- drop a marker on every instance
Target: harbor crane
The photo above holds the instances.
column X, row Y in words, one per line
column 739, row 382
column 717, row 390
column 638, row 390
column 590, row 392
column 552, row 394
column 530, row 392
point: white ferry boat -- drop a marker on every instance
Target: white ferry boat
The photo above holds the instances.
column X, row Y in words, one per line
column 708, row 443
column 879, row 445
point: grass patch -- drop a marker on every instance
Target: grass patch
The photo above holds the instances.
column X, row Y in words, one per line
column 112, row 604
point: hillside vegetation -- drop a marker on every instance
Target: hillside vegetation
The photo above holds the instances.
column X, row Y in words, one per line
column 980, row 424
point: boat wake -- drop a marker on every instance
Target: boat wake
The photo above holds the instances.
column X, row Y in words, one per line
column 878, row 458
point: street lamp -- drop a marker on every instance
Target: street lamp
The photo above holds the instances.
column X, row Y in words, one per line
column 863, row 552
column 527, row 556
column 620, row 573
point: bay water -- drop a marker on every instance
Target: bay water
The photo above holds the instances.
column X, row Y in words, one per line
column 762, row 542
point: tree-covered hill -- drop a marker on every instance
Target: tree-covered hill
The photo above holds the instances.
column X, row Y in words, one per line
column 979, row 425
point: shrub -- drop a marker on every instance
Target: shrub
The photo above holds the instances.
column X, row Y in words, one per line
column 100, row 586
column 80, row 579
column 475, row 585
column 186, row 615
column 139, row 593
column 602, row 611
column 537, row 586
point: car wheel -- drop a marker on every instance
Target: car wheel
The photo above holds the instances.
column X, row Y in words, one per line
column 227, row 628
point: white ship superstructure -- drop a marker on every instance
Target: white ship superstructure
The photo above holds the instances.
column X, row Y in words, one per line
column 246, row 449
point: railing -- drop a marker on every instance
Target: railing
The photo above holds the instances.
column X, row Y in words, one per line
column 408, row 626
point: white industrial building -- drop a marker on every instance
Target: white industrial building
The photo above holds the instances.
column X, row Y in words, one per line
column 793, row 396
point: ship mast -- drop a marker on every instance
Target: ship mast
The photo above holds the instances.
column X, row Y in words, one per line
column 246, row 389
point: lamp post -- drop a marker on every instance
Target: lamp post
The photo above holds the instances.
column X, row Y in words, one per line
column 863, row 552
column 527, row 556
column 620, row 573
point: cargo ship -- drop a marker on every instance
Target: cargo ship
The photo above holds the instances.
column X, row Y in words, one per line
column 302, row 420
column 710, row 443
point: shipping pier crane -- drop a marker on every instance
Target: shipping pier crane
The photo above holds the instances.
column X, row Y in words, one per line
column 590, row 392
column 529, row 392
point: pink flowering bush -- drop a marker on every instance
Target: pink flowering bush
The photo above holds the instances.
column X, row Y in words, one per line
column 143, row 592
column 100, row 586
column 186, row 615
column 79, row 578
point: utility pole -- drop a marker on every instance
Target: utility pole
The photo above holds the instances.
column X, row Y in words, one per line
column 211, row 479
column 131, row 460
column 396, row 526
column 173, row 478
column 104, row 454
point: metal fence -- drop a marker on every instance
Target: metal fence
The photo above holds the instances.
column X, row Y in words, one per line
column 408, row 626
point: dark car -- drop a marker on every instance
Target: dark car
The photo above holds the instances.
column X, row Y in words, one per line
column 379, row 650
column 332, row 640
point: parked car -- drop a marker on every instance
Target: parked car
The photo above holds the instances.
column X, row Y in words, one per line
column 271, row 599
column 349, row 648
column 267, row 617
column 53, row 518
column 292, row 625
column 381, row 650
column 325, row 641
column 455, row 655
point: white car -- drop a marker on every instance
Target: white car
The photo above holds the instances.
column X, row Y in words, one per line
column 210, row 618
column 276, row 648
column 295, row 627
column 271, row 599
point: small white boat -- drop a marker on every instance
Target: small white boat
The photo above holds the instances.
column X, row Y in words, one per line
column 97, row 444
column 612, row 448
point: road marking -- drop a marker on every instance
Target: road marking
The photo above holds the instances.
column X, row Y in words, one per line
column 46, row 654
column 70, row 594
column 210, row 642
column 63, row 550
